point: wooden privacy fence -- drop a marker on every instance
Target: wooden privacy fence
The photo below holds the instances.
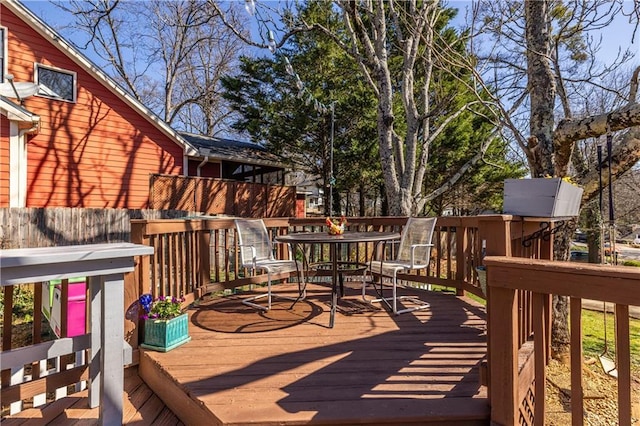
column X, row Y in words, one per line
column 48, row 227
column 218, row 197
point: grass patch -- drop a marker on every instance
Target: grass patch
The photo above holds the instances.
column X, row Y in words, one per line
column 478, row 299
column 593, row 336
column 631, row 262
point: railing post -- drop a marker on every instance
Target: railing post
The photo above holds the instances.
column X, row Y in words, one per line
column 136, row 283
column 496, row 232
column 204, row 257
column 462, row 258
column 503, row 347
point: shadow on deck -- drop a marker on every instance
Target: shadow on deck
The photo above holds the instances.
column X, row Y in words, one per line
column 287, row 367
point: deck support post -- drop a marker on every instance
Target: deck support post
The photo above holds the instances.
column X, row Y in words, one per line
column 503, row 347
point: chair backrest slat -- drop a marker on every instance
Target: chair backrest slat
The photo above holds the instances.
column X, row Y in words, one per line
column 418, row 230
column 253, row 233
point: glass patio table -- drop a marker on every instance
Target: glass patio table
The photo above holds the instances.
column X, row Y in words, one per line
column 334, row 241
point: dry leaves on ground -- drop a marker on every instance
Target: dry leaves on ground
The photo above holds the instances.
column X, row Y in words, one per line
column 600, row 395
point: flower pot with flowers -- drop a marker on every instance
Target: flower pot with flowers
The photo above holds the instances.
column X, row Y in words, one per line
column 166, row 326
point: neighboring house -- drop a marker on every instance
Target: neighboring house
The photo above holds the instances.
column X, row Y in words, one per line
column 308, row 186
column 80, row 140
column 235, row 160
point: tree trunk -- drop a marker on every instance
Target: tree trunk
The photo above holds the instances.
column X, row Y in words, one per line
column 361, row 201
column 560, row 336
column 384, row 202
column 541, row 87
column 542, row 92
column 594, row 233
column 337, row 211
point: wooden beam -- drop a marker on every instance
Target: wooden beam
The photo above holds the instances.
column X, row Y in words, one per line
column 577, row 392
column 614, row 284
column 503, row 344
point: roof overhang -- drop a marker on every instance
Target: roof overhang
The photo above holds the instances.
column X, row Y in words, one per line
column 15, row 112
column 244, row 160
column 234, row 151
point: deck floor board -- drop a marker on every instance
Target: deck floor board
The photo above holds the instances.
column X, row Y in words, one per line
column 287, row 366
column 141, row 407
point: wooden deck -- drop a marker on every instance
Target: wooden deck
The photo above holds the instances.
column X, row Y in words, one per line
column 286, row 367
column 141, row 408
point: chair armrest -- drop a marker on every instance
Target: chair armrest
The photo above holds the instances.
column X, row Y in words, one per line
column 289, row 247
column 413, row 249
column 253, row 252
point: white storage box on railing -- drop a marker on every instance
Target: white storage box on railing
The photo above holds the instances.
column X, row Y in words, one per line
column 541, row 197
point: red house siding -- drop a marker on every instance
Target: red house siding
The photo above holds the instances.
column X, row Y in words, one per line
column 4, row 161
column 96, row 152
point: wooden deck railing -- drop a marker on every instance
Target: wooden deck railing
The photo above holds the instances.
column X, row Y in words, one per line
column 542, row 279
column 198, row 256
column 193, row 257
column 103, row 266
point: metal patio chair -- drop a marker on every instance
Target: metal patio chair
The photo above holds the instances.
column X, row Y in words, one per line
column 256, row 254
column 413, row 253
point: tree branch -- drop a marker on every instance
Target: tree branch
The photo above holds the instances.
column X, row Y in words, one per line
column 569, row 131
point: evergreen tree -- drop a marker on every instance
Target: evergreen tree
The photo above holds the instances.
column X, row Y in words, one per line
column 285, row 116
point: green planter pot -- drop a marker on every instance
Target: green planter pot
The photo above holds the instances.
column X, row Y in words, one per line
column 164, row 335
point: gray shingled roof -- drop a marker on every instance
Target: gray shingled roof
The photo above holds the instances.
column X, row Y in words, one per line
column 232, row 150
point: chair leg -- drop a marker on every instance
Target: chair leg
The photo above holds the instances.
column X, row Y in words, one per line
column 302, row 291
column 249, row 301
column 364, row 286
column 268, row 291
column 392, row 302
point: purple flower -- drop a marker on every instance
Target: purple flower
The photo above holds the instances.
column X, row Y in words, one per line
column 163, row 307
column 145, row 301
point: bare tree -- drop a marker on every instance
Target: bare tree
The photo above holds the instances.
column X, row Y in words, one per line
column 380, row 34
column 173, row 62
column 539, row 97
column 557, row 81
column 396, row 46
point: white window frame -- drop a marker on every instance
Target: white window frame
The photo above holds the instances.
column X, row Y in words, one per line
column 45, row 92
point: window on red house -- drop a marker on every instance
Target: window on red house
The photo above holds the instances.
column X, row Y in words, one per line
column 56, row 83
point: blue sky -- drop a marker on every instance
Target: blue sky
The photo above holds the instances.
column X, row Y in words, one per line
column 619, row 35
